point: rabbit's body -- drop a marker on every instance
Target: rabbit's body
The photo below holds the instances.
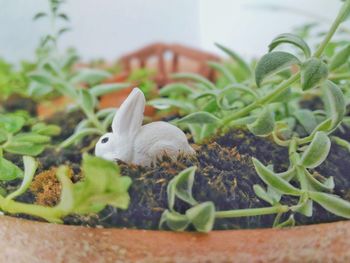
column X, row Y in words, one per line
column 157, row 139
column 131, row 142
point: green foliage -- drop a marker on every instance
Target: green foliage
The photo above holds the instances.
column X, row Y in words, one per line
column 15, row 140
column 102, row 185
column 143, row 78
column 13, row 81
column 85, row 99
column 22, row 135
column 274, row 109
column 201, row 215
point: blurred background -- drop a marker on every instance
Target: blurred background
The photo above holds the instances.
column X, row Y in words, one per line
column 109, row 28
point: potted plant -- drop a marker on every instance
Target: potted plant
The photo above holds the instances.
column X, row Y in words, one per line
column 261, row 160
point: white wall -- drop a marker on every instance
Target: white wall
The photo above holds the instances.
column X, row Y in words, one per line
column 101, row 28
column 248, row 26
column 109, row 28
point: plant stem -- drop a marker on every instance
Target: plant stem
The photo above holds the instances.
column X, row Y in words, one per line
column 252, row 212
column 51, row 214
column 262, row 101
column 340, row 18
column 92, row 117
column 339, row 76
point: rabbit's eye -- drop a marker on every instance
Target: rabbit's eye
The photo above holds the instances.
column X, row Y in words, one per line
column 104, row 140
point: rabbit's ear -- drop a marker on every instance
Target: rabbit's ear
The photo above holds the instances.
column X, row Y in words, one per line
column 129, row 116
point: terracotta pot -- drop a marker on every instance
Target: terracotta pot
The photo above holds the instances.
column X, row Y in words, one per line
column 28, row 241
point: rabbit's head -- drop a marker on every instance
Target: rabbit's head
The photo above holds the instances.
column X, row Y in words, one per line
column 127, row 122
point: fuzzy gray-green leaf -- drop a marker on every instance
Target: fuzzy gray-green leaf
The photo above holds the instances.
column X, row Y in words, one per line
column 334, row 102
column 264, row 124
column 332, row 203
column 313, row 72
column 272, row 179
column 317, row 151
column 181, row 187
column 340, row 58
column 200, row 117
column 202, row 216
column 174, row 221
column 295, row 40
column 272, row 63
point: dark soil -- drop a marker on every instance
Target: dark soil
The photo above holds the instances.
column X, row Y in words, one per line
column 17, row 102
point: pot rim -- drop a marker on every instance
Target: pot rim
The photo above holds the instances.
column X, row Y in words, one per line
column 31, row 241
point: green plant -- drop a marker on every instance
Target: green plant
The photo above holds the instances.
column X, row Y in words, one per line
column 307, row 150
column 55, row 15
column 102, row 185
column 143, row 78
column 54, row 73
column 14, row 80
column 15, row 139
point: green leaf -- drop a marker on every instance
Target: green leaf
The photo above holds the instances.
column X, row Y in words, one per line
column 87, row 100
column 24, row 148
column 63, row 30
column 307, row 119
column 78, row 135
column 31, row 138
column 66, row 203
column 200, row 117
column 3, row 135
column 223, row 70
column 103, row 89
column 295, row 40
column 39, row 15
column 42, row 78
column 9, row 171
column 174, row 221
column 202, row 216
column 262, row 194
column 105, row 112
column 102, row 185
column 181, row 186
column 177, row 89
column 327, row 185
column 272, row 63
column 163, row 104
column 30, row 166
column 332, row 203
column 317, row 151
column 194, row 77
column 340, row 58
column 313, row 72
column 11, row 123
column 272, row 179
column 236, row 58
column 334, row 101
column 48, row 130
column 90, row 76
column 63, row 17
column 288, row 223
column 264, row 124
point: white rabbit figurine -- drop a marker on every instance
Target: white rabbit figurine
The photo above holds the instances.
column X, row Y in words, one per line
column 131, row 142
